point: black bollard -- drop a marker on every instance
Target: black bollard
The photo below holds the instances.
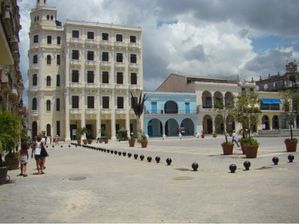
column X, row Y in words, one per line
column 129, row 155
column 232, row 168
column 111, row 151
column 61, row 146
column 119, row 153
column 157, row 159
column 115, row 152
column 291, row 158
column 52, row 146
column 135, row 156
column 275, row 160
column 247, row 165
column 141, row 157
column 168, row 161
column 69, row 146
column 149, row 159
column 194, row 166
column 124, row 153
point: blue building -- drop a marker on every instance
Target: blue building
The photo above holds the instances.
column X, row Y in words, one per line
column 168, row 113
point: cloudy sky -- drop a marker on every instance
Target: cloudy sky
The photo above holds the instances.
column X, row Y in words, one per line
column 203, row 38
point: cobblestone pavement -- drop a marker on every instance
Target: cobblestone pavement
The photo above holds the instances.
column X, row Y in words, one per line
column 84, row 185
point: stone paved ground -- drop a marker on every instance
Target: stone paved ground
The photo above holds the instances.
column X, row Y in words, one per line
column 122, row 189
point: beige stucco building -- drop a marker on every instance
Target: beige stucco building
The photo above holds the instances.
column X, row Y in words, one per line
column 81, row 75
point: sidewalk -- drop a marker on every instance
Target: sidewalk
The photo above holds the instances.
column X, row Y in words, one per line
column 84, row 185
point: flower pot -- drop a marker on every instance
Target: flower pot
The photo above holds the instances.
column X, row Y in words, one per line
column 250, row 151
column 12, row 162
column 227, row 149
column 84, row 141
column 291, row 146
column 89, row 141
column 79, row 141
column 106, row 141
column 131, row 142
column 143, row 144
column 3, row 175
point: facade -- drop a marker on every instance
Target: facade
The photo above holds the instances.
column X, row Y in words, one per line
column 168, row 113
column 11, row 82
column 81, row 75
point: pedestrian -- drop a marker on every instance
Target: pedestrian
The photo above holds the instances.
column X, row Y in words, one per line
column 235, row 139
column 23, row 159
column 42, row 160
column 36, row 151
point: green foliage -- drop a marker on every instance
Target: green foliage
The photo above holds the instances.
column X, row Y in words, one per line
column 122, row 134
column 143, row 138
column 249, row 141
column 82, row 131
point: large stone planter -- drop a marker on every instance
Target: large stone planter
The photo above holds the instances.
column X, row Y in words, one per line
column 291, row 146
column 131, row 142
column 3, row 175
column 143, row 144
column 227, row 148
column 250, row 151
column 12, row 163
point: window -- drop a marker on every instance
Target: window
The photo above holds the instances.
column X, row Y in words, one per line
column 49, row 39
column 75, row 102
column 105, row 56
column 132, row 39
column 90, row 77
column 105, row 102
column 48, row 105
column 133, row 79
column 75, row 33
column 34, row 104
column 57, row 104
column 133, row 101
column 58, row 128
column 57, row 80
column 90, row 55
column 58, row 40
column 90, row 102
column 48, row 81
column 75, row 54
column 105, row 77
column 75, row 76
column 105, row 36
column 52, row 17
column 35, row 39
column 48, row 130
column 48, row 59
column 119, row 57
column 119, row 78
column 58, row 59
column 34, row 80
column 48, row 17
column 35, row 59
column 90, row 35
column 133, row 58
column 120, row 102
column 119, row 37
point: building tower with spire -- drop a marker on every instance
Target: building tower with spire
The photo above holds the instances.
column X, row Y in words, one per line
column 81, row 75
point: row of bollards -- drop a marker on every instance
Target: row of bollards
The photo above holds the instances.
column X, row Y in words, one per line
column 247, row 164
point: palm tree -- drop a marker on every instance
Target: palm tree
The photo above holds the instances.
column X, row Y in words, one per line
column 138, row 105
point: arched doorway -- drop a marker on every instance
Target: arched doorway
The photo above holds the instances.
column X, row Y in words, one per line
column 34, row 129
column 219, row 124
column 154, row 128
column 188, row 126
column 171, row 127
column 275, row 122
column 229, row 100
column 171, row 107
column 48, row 130
column 265, row 122
column 206, row 99
column 218, row 100
column 207, row 124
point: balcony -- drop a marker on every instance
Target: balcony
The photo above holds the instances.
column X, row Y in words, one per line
column 120, row 45
column 106, row 43
column 91, row 111
column 134, row 46
column 134, row 66
column 170, row 113
column 76, row 85
column 107, row 86
column 75, row 111
column 121, row 86
column 34, row 113
column 134, row 87
column 34, row 67
column 120, row 65
column 90, row 63
column 105, row 64
column 91, row 42
column 75, row 63
column 91, row 85
column 121, row 111
column 106, row 111
column 75, row 41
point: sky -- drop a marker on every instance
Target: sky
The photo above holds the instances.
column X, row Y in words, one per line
column 199, row 38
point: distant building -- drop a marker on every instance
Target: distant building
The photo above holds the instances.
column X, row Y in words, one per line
column 11, row 82
column 81, row 75
column 168, row 113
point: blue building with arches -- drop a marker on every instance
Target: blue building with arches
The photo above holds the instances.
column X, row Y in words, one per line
column 168, row 113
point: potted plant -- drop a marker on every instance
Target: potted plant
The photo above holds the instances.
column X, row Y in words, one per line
column 143, row 141
column 122, row 134
column 132, row 140
column 81, row 132
column 202, row 134
column 227, row 147
column 246, row 112
column 214, row 134
column 291, row 143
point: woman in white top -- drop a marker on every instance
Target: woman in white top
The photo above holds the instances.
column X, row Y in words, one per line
column 36, row 150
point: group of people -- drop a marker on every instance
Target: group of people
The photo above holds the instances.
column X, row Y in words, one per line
column 39, row 151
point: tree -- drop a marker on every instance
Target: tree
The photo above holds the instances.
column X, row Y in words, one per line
column 138, row 105
column 246, row 112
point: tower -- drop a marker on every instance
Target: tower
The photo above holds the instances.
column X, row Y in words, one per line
column 40, row 3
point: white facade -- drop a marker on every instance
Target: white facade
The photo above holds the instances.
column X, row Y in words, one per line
column 81, row 75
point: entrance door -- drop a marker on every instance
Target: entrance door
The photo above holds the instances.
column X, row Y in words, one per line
column 73, row 129
column 187, row 108
column 154, row 107
column 150, row 131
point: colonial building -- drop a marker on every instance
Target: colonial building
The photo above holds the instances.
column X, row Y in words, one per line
column 81, row 75
column 168, row 113
column 11, row 83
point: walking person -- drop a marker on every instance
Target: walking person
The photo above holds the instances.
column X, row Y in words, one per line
column 43, row 155
column 235, row 139
column 23, row 159
column 36, row 151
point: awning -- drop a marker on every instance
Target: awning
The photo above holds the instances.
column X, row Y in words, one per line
column 271, row 101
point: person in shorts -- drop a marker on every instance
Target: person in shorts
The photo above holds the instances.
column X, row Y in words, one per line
column 23, row 159
column 36, row 150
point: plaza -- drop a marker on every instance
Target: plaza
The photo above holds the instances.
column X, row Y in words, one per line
column 85, row 185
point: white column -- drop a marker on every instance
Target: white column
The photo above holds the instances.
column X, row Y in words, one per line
column 41, row 112
column 82, row 109
column 127, row 105
column 67, row 116
column 113, row 131
column 98, row 127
